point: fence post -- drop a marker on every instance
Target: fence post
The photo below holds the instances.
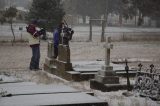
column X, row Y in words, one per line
column 103, row 31
column 90, row 32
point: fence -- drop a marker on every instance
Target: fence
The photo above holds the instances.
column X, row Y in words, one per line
column 82, row 33
column 148, row 82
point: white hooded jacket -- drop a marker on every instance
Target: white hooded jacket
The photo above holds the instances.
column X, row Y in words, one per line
column 33, row 40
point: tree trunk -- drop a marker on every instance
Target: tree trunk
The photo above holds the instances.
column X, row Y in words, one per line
column 120, row 19
column 90, row 31
column 103, row 31
column 158, row 23
column 84, row 19
column 12, row 32
column 140, row 19
column 135, row 20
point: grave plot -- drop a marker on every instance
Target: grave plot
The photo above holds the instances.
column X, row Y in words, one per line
column 107, row 79
column 32, row 94
column 62, row 66
column 77, row 71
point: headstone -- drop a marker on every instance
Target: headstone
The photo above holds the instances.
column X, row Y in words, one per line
column 50, row 52
column 106, row 79
column 107, row 75
column 60, row 65
column 64, row 53
column 63, row 62
column 50, row 63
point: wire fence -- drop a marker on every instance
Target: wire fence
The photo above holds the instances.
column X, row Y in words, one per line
column 82, row 33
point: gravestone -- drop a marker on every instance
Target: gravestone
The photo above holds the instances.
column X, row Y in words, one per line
column 63, row 56
column 107, row 75
column 63, row 61
column 64, row 53
column 50, row 52
column 50, row 62
column 60, row 65
column 106, row 79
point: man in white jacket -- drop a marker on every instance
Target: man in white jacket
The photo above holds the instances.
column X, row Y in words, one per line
column 34, row 42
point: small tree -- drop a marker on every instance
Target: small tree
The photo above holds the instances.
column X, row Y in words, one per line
column 10, row 13
column 50, row 13
column 2, row 18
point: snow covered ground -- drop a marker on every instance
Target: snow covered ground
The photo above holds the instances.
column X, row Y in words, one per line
column 113, row 98
column 15, row 61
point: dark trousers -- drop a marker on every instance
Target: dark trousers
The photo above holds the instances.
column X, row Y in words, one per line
column 34, row 64
column 55, row 51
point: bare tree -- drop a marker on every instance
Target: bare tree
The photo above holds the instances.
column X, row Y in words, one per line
column 10, row 13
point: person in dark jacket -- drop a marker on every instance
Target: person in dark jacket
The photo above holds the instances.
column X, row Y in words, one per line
column 57, row 39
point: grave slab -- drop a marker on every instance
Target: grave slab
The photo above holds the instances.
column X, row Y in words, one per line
column 107, row 87
column 27, row 88
column 60, row 99
column 32, row 94
column 107, row 79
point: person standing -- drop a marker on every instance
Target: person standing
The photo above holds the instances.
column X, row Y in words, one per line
column 57, row 39
column 34, row 42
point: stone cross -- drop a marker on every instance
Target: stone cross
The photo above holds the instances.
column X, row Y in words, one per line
column 108, row 46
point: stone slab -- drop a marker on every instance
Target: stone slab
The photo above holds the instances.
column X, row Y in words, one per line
column 32, row 94
column 61, row 99
column 77, row 76
column 107, row 79
column 106, row 73
column 72, row 76
column 95, row 65
column 51, row 69
column 85, row 70
column 124, row 74
column 32, row 88
column 50, row 61
column 107, row 68
column 63, row 66
column 107, row 87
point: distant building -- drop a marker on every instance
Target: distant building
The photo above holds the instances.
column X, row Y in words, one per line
column 18, row 3
column 2, row 4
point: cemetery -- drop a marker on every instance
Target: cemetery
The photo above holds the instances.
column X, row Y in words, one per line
column 101, row 75
column 79, row 53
